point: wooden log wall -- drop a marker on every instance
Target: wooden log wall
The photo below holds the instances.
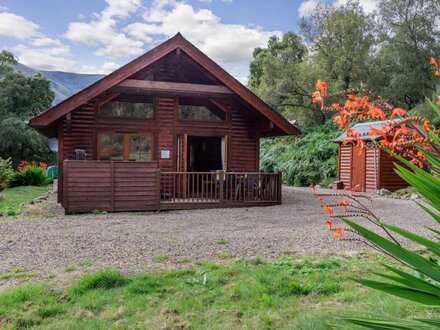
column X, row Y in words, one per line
column 244, row 144
column 110, row 186
column 372, row 165
column 388, row 178
column 345, row 161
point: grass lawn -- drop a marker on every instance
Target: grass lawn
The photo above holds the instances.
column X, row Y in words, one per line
column 287, row 293
column 13, row 199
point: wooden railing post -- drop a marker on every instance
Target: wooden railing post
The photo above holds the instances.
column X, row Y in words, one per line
column 158, row 182
column 280, row 183
column 112, row 185
column 222, row 178
column 65, row 185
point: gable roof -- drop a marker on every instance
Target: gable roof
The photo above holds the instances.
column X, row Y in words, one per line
column 364, row 131
column 49, row 117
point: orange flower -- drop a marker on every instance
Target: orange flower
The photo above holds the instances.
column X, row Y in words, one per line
column 376, row 112
column 348, row 189
column 376, row 131
column 329, row 223
column 426, row 125
column 328, row 209
column 343, row 202
column 319, row 100
column 433, row 61
column 339, row 233
column 357, row 187
column 321, row 86
column 320, row 201
column 340, row 120
column 398, row 112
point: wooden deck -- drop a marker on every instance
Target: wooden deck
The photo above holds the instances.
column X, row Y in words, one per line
column 141, row 186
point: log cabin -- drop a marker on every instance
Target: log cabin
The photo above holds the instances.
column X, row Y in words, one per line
column 169, row 130
column 373, row 169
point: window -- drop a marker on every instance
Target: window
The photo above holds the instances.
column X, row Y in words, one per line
column 139, row 147
column 125, row 146
column 127, row 109
column 189, row 110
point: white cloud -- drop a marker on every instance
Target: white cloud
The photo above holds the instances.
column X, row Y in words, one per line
column 227, row 1
column 206, row 1
column 45, row 58
column 368, row 5
column 225, row 43
column 106, row 68
column 138, row 31
column 18, row 27
column 102, row 30
column 45, row 41
column 307, row 7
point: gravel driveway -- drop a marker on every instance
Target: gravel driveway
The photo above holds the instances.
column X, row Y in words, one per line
column 145, row 241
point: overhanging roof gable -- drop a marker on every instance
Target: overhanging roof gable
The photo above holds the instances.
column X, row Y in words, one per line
column 178, row 41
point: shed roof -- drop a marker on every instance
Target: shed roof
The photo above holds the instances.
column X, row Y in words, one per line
column 45, row 121
column 364, row 131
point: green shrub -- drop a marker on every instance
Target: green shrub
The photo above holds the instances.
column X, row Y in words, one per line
column 106, row 279
column 310, row 158
column 5, row 172
column 32, row 176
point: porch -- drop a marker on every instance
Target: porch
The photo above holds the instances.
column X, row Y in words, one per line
column 141, row 186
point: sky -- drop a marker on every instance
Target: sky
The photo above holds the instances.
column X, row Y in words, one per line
column 98, row 36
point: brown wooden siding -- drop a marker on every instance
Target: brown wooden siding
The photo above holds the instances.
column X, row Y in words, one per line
column 243, row 144
column 166, row 108
column 388, row 177
column 345, row 152
column 372, row 163
column 109, row 186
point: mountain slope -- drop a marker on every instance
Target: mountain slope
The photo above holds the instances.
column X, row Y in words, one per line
column 64, row 84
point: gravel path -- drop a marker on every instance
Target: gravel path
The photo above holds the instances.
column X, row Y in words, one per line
column 134, row 242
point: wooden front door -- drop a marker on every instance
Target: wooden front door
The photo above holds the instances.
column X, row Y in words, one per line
column 358, row 167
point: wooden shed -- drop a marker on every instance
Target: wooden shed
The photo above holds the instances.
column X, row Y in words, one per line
column 372, row 169
column 169, row 130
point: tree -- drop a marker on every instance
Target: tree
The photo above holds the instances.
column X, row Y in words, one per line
column 341, row 40
column 409, row 35
column 7, row 62
column 282, row 77
column 21, row 98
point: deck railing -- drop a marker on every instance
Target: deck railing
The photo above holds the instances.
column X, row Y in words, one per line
column 220, row 187
column 139, row 186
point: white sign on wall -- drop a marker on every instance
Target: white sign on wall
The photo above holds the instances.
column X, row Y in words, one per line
column 165, row 154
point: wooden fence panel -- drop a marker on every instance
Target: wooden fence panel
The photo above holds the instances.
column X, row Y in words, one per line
column 109, row 186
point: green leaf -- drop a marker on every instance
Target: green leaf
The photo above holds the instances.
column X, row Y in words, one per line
column 386, row 324
column 427, row 186
column 434, row 106
column 414, row 282
column 430, row 212
column 431, row 245
column 434, row 322
column 410, row 258
column 422, row 297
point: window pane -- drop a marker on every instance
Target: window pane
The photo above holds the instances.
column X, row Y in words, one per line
column 127, row 109
column 197, row 112
column 139, row 147
column 111, row 146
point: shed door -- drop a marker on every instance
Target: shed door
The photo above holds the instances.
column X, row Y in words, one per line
column 358, row 167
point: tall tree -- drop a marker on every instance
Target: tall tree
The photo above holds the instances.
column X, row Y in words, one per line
column 409, row 35
column 341, row 40
column 282, row 77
